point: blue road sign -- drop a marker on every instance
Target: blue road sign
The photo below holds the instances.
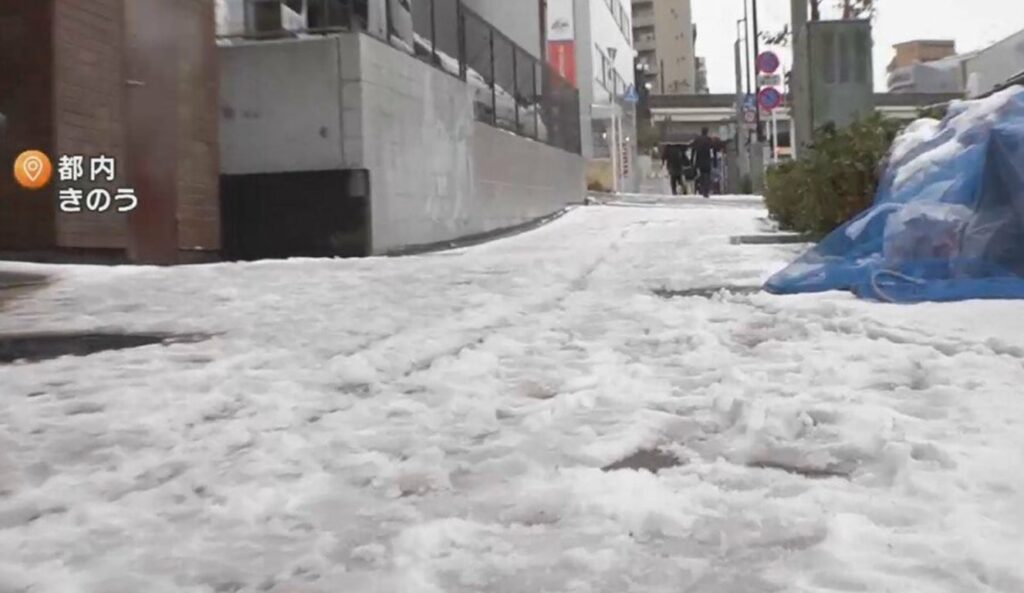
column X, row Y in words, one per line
column 631, row 95
column 749, row 102
column 770, row 98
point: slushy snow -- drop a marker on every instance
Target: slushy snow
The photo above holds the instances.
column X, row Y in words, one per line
column 439, row 423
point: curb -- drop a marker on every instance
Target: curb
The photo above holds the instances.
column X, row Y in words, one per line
column 479, row 238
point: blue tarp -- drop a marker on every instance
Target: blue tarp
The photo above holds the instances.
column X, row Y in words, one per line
column 947, row 222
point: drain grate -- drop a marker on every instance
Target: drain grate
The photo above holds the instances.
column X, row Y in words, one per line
column 37, row 347
column 652, row 460
column 705, row 291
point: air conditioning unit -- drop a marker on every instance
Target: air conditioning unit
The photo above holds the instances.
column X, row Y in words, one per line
column 276, row 17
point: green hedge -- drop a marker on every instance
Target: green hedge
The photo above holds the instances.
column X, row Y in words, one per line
column 835, row 181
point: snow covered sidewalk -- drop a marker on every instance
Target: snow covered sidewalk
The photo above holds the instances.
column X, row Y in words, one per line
column 440, row 423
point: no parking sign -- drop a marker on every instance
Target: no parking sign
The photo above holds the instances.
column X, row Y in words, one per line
column 769, row 98
column 768, row 62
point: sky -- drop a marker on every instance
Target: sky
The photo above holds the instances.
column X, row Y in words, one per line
column 974, row 24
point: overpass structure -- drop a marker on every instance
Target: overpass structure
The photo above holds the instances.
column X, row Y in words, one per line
column 679, row 118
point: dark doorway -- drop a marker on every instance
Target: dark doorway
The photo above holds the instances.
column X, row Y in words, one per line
column 303, row 214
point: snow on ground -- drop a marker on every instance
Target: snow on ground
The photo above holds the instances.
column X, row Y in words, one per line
column 438, row 424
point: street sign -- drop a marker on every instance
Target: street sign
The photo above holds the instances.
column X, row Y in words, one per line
column 764, row 80
column 769, row 98
column 749, row 102
column 768, row 62
column 750, row 116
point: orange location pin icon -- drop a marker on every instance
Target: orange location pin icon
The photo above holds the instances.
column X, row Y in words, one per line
column 32, row 169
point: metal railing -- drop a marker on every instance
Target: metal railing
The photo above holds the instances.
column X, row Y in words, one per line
column 512, row 89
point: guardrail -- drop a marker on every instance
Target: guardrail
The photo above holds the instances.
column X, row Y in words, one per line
column 512, row 89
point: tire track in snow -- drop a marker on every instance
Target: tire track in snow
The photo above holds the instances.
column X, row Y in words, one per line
column 479, row 335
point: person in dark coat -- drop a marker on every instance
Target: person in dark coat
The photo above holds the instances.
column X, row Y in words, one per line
column 674, row 157
column 705, row 157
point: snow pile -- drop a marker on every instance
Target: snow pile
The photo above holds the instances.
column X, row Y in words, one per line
column 439, row 424
column 928, row 146
column 946, row 221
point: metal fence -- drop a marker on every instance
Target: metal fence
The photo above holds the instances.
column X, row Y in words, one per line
column 512, row 89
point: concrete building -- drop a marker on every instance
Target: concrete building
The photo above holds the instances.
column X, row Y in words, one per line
column 701, row 86
column 134, row 80
column 311, row 128
column 665, row 39
column 941, row 76
column 925, row 66
column 920, row 51
column 934, row 67
column 994, row 65
column 597, row 35
column 418, row 125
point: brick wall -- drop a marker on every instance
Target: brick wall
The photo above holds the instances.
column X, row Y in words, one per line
column 89, row 108
column 26, row 98
column 198, row 101
column 69, row 95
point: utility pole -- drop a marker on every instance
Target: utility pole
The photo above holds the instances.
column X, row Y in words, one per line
column 757, row 83
column 746, row 42
column 799, row 83
column 742, row 144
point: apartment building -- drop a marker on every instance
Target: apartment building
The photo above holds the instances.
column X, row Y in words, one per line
column 664, row 38
column 921, row 51
column 925, row 66
column 701, row 86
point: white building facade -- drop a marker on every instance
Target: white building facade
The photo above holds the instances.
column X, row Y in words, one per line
column 994, row 65
column 591, row 41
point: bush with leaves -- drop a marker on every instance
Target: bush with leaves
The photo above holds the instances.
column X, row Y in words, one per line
column 836, row 180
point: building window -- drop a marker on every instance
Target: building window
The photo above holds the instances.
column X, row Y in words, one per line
column 504, row 82
column 423, row 27
column 446, row 33
column 828, row 57
column 862, row 48
column 845, row 56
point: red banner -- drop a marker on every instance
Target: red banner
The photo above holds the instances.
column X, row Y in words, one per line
column 562, row 57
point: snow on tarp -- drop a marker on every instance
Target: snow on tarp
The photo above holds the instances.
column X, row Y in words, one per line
column 948, row 219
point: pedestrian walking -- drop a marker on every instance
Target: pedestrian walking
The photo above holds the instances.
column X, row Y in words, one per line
column 704, row 156
column 674, row 158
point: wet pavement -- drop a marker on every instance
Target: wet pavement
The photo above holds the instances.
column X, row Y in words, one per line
column 37, row 347
column 14, row 285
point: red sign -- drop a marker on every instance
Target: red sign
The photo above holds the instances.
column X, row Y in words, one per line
column 768, row 62
column 562, row 57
